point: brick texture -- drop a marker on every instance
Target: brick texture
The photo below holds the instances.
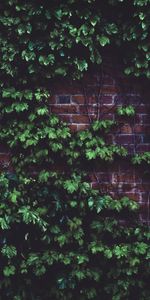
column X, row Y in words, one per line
column 97, row 96
column 93, row 99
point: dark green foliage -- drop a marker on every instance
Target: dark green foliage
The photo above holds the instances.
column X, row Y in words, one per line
column 68, row 242
column 56, row 38
column 127, row 111
column 58, row 232
column 61, row 239
column 141, row 158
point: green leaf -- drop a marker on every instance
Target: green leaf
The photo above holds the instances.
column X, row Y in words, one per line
column 61, row 71
column 9, row 270
column 81, row 64
column 9, row 251
column 42, row 111
column 71, row 186
column 104, row 40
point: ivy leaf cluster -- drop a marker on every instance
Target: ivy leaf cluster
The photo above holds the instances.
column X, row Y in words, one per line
column 141, row 158
column 128, row 111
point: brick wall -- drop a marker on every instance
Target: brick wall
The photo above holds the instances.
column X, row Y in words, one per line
column 97, row 96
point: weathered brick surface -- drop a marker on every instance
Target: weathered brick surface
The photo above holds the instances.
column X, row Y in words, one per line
column 97, row 97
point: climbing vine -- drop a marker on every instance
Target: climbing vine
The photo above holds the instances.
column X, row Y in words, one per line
column 61, row 239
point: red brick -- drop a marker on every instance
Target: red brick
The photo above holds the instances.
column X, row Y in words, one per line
column 107, row 116
column 73, row 127
column 52, row 99
column 107, row 99
column 78, row 99
column 124, row 178
column 106, row 109
column 124, row 139
column 80, row 119
column 110, row 89
column 142, row 129
column 65, row 118
column 126, row 128
column 139, row 128
column 90, row 99
column 82, row 127
column 63, row 109
column 83, row 109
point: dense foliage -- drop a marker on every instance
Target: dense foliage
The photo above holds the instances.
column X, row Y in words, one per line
column 60, row 239
column 42, row 39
